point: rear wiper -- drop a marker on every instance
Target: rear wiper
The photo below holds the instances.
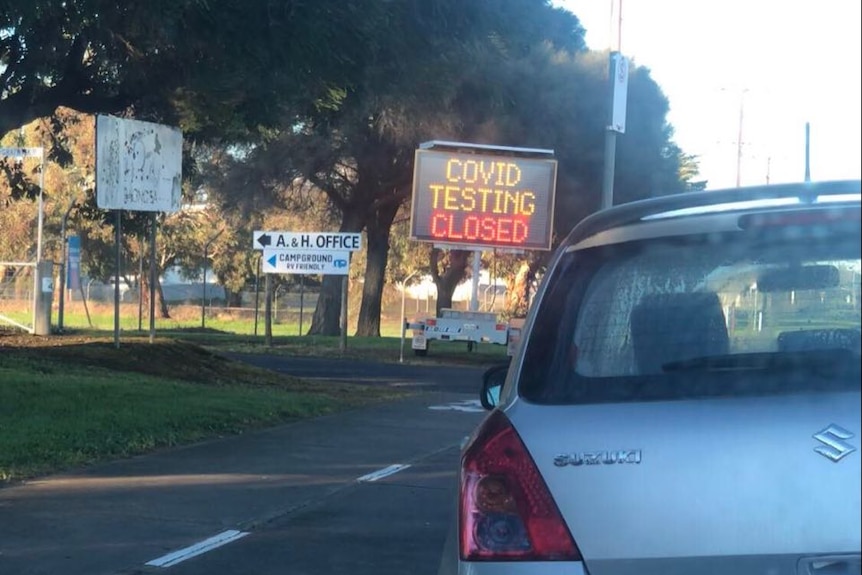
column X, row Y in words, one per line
column 811, row 360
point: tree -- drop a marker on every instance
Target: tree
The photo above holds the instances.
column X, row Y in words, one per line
column 379, row 124
column 568, row 115
column 180, row 61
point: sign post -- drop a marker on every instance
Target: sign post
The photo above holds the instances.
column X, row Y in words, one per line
column 619, row 78
column 138, row 168
column 309, row 253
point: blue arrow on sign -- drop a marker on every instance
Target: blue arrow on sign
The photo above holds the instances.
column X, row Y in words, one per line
column 271, row 261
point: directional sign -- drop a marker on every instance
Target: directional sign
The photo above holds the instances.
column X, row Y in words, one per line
column 21, row 152
column 334, row 241
column 306, row 262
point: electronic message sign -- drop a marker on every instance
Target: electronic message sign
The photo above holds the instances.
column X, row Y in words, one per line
column 483, row 200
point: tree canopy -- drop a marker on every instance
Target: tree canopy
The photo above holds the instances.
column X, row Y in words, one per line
column 217, row 68
column 301, row 112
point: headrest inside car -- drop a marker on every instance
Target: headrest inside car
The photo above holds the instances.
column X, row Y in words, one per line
column 678, row 326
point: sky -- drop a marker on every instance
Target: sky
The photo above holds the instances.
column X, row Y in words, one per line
column 781, row 63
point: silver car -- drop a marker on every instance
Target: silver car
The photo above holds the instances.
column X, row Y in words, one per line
column 685, row 399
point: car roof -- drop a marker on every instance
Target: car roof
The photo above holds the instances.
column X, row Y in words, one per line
column 687, row 212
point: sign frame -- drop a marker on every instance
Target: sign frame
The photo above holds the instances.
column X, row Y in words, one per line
column 138, row 165
column 538, row 158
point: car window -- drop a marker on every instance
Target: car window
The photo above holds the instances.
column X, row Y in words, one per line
column 703, row 306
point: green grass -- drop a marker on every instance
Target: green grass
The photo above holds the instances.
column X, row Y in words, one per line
column 66, row 406
column 382, row 349
column 75, row 398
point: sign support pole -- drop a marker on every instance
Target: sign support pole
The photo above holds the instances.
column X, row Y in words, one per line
column 477, row 269
column 153, row 229
column 41, row 206
column 257, row 294
column 342, row 346
column 267, row 330
column 301, row 300
column 610, row 166
column 118, row 239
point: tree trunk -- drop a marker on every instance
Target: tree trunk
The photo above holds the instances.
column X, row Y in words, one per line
column 234, row 298
column 160, row 300
column 327, row 313
column 161, row 305
column 377, row 255
column 518, row 296
column 448, row 279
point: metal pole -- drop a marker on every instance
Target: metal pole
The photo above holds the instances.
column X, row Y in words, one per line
column 620, row 28
column 153, row 278
column 739, row 140
column 118, row 238
column 204, row 294
column 403, row 314
column 36, row 278
column 610, row 165
column 477, row 269
column 268, row 306
column 41, row 205
column 141, row 246
column 610, row 134
column 301, row 300
column 257, row 294
column 63, row 266
column 807, row 152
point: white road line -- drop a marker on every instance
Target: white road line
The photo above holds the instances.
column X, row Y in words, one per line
column 172, row 559
column 385, row 472
column 468, row 406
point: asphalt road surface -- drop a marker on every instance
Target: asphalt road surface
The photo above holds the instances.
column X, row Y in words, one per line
column 461, row 379
column 364, row 492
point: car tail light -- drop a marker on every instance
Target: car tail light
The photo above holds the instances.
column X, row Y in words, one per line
column 431, row 321
column 506, row 510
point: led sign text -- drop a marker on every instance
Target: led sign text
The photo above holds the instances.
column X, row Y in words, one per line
column 482, row 201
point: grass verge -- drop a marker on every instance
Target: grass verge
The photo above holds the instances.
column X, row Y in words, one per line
column 380, row 349
column 66, row 402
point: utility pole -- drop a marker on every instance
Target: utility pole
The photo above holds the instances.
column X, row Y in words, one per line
column 807, row 151
column 618, row 88
column 739, row 139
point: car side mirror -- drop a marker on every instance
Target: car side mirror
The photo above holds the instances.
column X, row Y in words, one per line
column 492, row 384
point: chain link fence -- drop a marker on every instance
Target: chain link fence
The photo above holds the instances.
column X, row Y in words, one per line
column 16, row 295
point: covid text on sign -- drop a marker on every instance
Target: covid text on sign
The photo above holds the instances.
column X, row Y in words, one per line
column 483, row 200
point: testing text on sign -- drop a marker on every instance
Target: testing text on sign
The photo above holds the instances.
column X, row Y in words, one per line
column 483, row 200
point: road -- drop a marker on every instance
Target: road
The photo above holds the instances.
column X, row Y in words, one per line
column 366, row 492
column 459, row 379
